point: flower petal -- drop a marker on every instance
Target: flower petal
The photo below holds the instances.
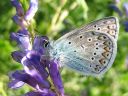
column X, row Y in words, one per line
column 24, row 32
column 117, row 1
column 33, row 59
column 116, row 9
column 56, row 78
column 126, row 61
column 18, row 55
column 18, row 6
column 22, row 39
column 40, row 94
column 14, row 84
column 33, row 67
column 20, row 21
column 26, row 78
column 126, row 26
column 126, row 8
column 32, row 10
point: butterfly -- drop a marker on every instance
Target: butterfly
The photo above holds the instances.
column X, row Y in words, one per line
column 89, row 50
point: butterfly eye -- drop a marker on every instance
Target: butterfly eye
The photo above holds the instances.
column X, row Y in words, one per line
column 46, row 44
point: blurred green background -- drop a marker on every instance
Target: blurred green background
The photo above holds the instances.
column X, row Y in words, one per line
column 55, row 18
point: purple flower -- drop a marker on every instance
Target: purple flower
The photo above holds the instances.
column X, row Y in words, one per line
column 45, row 93
column 126, row 26
column 117, row 1
column 120, row 12
column 20, row 21
column 116, row 9
column 22, row 39
column 32, row 10
column 126, row 8
column 21, row 18
column 39, row 71
column 18, row 7
column 126, row 61
column 55, row 76
column 35, row 73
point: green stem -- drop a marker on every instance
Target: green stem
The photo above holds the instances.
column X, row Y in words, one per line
column 3, row 92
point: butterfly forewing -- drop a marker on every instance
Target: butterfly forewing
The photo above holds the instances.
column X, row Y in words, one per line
column 108, row 25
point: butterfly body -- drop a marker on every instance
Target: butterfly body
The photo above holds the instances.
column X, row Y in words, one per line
column 90, row 50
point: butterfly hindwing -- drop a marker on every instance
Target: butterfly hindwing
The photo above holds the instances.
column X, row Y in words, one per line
column 89, row 53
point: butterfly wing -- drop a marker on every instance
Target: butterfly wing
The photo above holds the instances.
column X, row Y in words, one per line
column 88, row 52
column 107, row 25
